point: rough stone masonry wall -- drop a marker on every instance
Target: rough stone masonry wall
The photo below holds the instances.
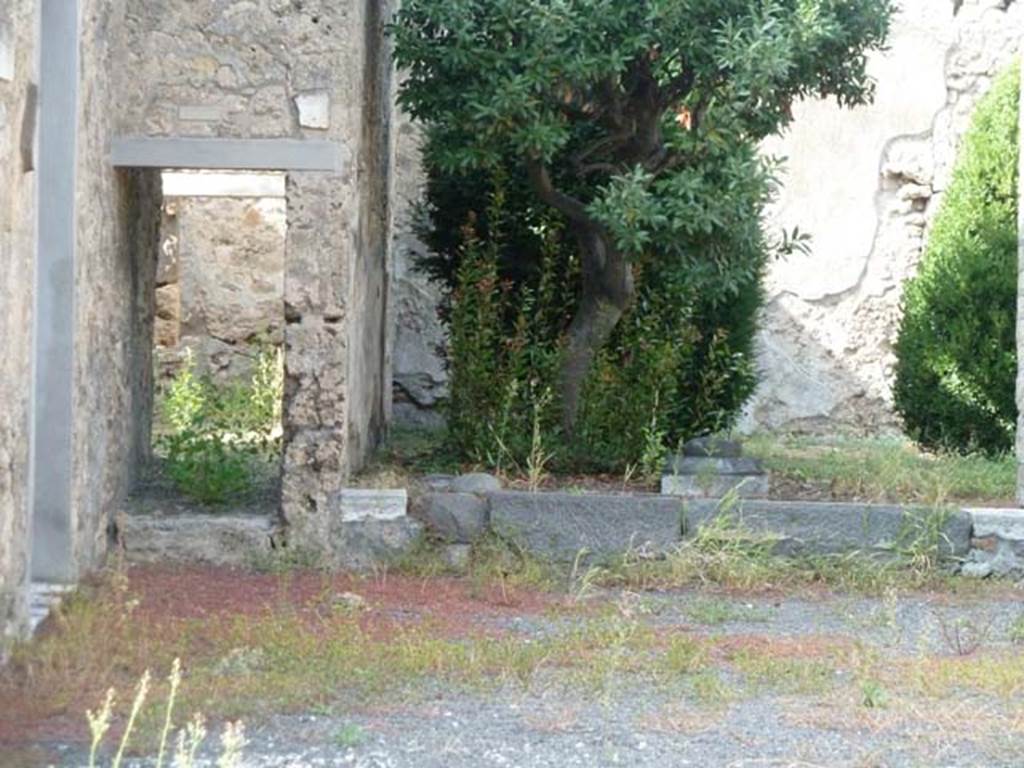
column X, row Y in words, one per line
column 866, row 183
column 310, row 69
column 17, row 215
column 117, row 241
column 220, row 283
column 420, row 378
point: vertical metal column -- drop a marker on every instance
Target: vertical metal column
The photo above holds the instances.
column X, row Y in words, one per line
column 1020, row 289
column 54, row 314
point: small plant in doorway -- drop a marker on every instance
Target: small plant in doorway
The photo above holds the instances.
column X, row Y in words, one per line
column 219, row 437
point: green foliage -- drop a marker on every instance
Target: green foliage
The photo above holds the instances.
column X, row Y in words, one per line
column 218, row 435
column 560, row 83
column 957, row 361
column 680, row 363
column 617, row 143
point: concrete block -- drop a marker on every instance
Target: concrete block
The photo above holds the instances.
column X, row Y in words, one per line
column 226, row 540
column 359, row 504
column 314, row 109
column 458, row 518
column 559, row 525
column 815, row 528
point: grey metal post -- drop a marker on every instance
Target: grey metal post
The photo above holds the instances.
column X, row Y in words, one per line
column 1020, row 292
column 54, row 305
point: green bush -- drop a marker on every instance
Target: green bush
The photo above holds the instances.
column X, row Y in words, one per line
column 678, row 365
column 956, row 351
column 217, row 436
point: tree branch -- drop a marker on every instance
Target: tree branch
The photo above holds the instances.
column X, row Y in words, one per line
column 540, row 179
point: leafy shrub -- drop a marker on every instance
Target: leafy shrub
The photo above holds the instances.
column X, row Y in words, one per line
column 957, row 361
column 678, row 365
column 218, row 435
column 635, row 124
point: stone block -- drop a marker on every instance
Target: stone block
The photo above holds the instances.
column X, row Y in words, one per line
column 1004, row 524
column 713, row 465
column 457, row 556
column 997, row 546
column 715, row 486
column 225, row 540
column 477, row 482
column 695, row 477
column 359, row 504
column 458, row 518
column 439, row 483
column 314, row 109
column 560, row 525
column 717, row 447
column 368, row 544
column 815, row 528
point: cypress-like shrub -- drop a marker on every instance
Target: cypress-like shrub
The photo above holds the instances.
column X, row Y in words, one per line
column 956, row 351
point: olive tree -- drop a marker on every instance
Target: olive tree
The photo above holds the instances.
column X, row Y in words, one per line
column 611, row 104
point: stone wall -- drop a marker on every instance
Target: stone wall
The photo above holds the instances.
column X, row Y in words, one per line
column 420, row 379
column 117, row 221
column 285, row 69
column 17, row 216
column 220, row 283
column 865, row 184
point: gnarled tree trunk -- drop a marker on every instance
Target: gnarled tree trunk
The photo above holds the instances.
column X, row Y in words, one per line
column 607, row 293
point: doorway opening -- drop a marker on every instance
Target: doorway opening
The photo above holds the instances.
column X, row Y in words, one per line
column 218, row 335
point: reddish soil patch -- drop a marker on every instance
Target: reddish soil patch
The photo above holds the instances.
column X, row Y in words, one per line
column 168, row 600
column 451, row 606
column 772, row 646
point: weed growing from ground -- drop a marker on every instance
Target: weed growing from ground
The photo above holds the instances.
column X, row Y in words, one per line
column 873, row 695
column 190, row 737
column 349, row 735
column 1016, row 632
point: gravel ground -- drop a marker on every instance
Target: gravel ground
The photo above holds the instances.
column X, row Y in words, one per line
column 630, row 722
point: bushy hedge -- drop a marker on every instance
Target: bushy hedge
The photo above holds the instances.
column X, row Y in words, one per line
column 957, row 361
column 680, row 363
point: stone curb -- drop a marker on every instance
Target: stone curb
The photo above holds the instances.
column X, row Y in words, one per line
column 224, row 540
column 561, row 525
column 822, row 528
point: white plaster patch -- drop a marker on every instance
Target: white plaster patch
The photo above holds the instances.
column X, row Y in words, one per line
column 6, row 52
column 358, row 505
column 314, row 110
